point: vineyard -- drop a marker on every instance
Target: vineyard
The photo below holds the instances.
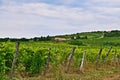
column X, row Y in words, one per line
column 58, row 60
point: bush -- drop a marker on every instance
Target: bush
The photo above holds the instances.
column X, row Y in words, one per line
column 33, row 61
column 75, row 42
column 111, row 44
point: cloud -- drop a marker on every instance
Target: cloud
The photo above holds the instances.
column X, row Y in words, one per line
column 41, row 9
column 103, row 3
column 68, row 1
column 38, row 18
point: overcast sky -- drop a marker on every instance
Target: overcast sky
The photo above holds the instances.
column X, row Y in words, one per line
column 34, row 18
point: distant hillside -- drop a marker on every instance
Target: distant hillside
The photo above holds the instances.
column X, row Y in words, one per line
column 83, row 35
column 114, row 33
column 89, row 35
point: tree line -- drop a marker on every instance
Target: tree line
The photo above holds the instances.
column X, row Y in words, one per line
column 84, row 35
column 47, row 38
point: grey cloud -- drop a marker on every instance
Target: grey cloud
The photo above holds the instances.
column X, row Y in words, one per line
column 37, row 19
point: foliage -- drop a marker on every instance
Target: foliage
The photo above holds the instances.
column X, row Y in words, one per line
column 112, row 43
column 75, row 42
column 33, row 55
column 114, row 33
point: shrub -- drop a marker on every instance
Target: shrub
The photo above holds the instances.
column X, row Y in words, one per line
column 75, row 42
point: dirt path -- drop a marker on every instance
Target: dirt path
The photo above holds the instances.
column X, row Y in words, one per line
column 114, row 76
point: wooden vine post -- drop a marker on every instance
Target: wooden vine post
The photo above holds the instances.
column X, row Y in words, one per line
column 118, row 59
column 69, row 59
column 107, row 54
column 97, row 59
column 114, row 58
column 14, row 60
column 47, row 63
column 82, row 63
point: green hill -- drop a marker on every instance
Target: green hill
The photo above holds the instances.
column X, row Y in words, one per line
column 98, row 38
